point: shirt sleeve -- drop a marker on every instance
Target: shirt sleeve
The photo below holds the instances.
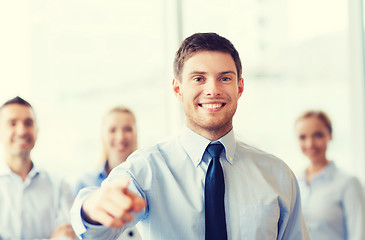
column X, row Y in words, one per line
column 65, row 199
column 85, row 230
column 354, row 210
column 292, row 224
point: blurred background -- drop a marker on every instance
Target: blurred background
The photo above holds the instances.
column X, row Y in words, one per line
column 74, row 59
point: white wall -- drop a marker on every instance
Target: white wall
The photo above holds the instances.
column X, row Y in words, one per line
column 73, row 60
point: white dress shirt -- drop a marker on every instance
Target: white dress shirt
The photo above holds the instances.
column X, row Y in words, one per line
column 34, row 208
column 262, row 199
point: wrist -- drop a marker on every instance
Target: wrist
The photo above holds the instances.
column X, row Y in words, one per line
column 87, row 219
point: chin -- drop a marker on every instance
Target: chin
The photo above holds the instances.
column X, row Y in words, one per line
column 214, row 126
column 123, row 156
column 315, row 159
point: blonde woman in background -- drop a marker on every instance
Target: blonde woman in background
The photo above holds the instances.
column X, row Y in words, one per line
column 119, row 140
column 333, row 203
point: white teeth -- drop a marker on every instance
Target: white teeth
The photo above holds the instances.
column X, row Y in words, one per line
column 212, row 105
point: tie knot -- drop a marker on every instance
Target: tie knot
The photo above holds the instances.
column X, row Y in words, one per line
column 215, row 150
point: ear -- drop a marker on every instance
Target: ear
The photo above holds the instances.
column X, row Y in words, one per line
column 240, row 87
column 176, row 86
column 36, row 131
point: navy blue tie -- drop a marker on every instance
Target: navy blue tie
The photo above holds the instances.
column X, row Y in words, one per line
column 215, row 219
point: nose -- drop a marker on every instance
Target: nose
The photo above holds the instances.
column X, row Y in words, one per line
column 212, row 88
column 120, row 135
column 21, row 129
column 309, row 143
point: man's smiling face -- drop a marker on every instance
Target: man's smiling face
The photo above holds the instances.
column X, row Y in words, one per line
column 209, row 90
column 18, row 129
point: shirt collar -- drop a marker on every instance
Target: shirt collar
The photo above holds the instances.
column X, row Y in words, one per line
column 327, row 172
column 6, row 171
column 195, row 145
column 102, row 174
column 34, row 171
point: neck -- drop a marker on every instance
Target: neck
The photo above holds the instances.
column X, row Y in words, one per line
column 112, row 163
column 314, row 168
column 21, row 165
column 211, row 134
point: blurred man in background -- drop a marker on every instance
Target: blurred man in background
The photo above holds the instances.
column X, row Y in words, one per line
column 33, row 205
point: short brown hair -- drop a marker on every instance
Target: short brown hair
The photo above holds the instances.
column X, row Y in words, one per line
column 205, row 42
column 16, row 100
column 20, row 101
column 318, row 114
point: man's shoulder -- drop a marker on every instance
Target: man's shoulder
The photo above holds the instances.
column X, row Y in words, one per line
column 262, row 159
column 153, row 157
column 161, row 148
column 251, row 151
column 52, row 178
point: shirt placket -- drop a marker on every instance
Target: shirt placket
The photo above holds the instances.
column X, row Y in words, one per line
column 20, row 203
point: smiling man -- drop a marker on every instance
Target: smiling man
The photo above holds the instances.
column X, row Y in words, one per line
column 33, row 205
column 204, row 184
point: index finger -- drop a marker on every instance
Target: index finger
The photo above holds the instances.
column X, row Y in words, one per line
column 137, row 202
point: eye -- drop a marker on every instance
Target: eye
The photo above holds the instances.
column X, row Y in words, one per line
column 318, row 135
column 302, row 137
column 28, row 123
column 127, row 129
column 112, row 130
column 198, row 79
column 12, row 123
column 225, row 79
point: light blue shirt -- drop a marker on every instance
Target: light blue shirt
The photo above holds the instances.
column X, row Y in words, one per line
column 262, row 199
column 34, row 208
column 333, row 205
column 95, row 178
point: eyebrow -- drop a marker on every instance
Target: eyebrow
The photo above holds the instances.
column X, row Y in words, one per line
column 228, row 72
column 221, row 73
column 17, row 119
column 197, row 72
